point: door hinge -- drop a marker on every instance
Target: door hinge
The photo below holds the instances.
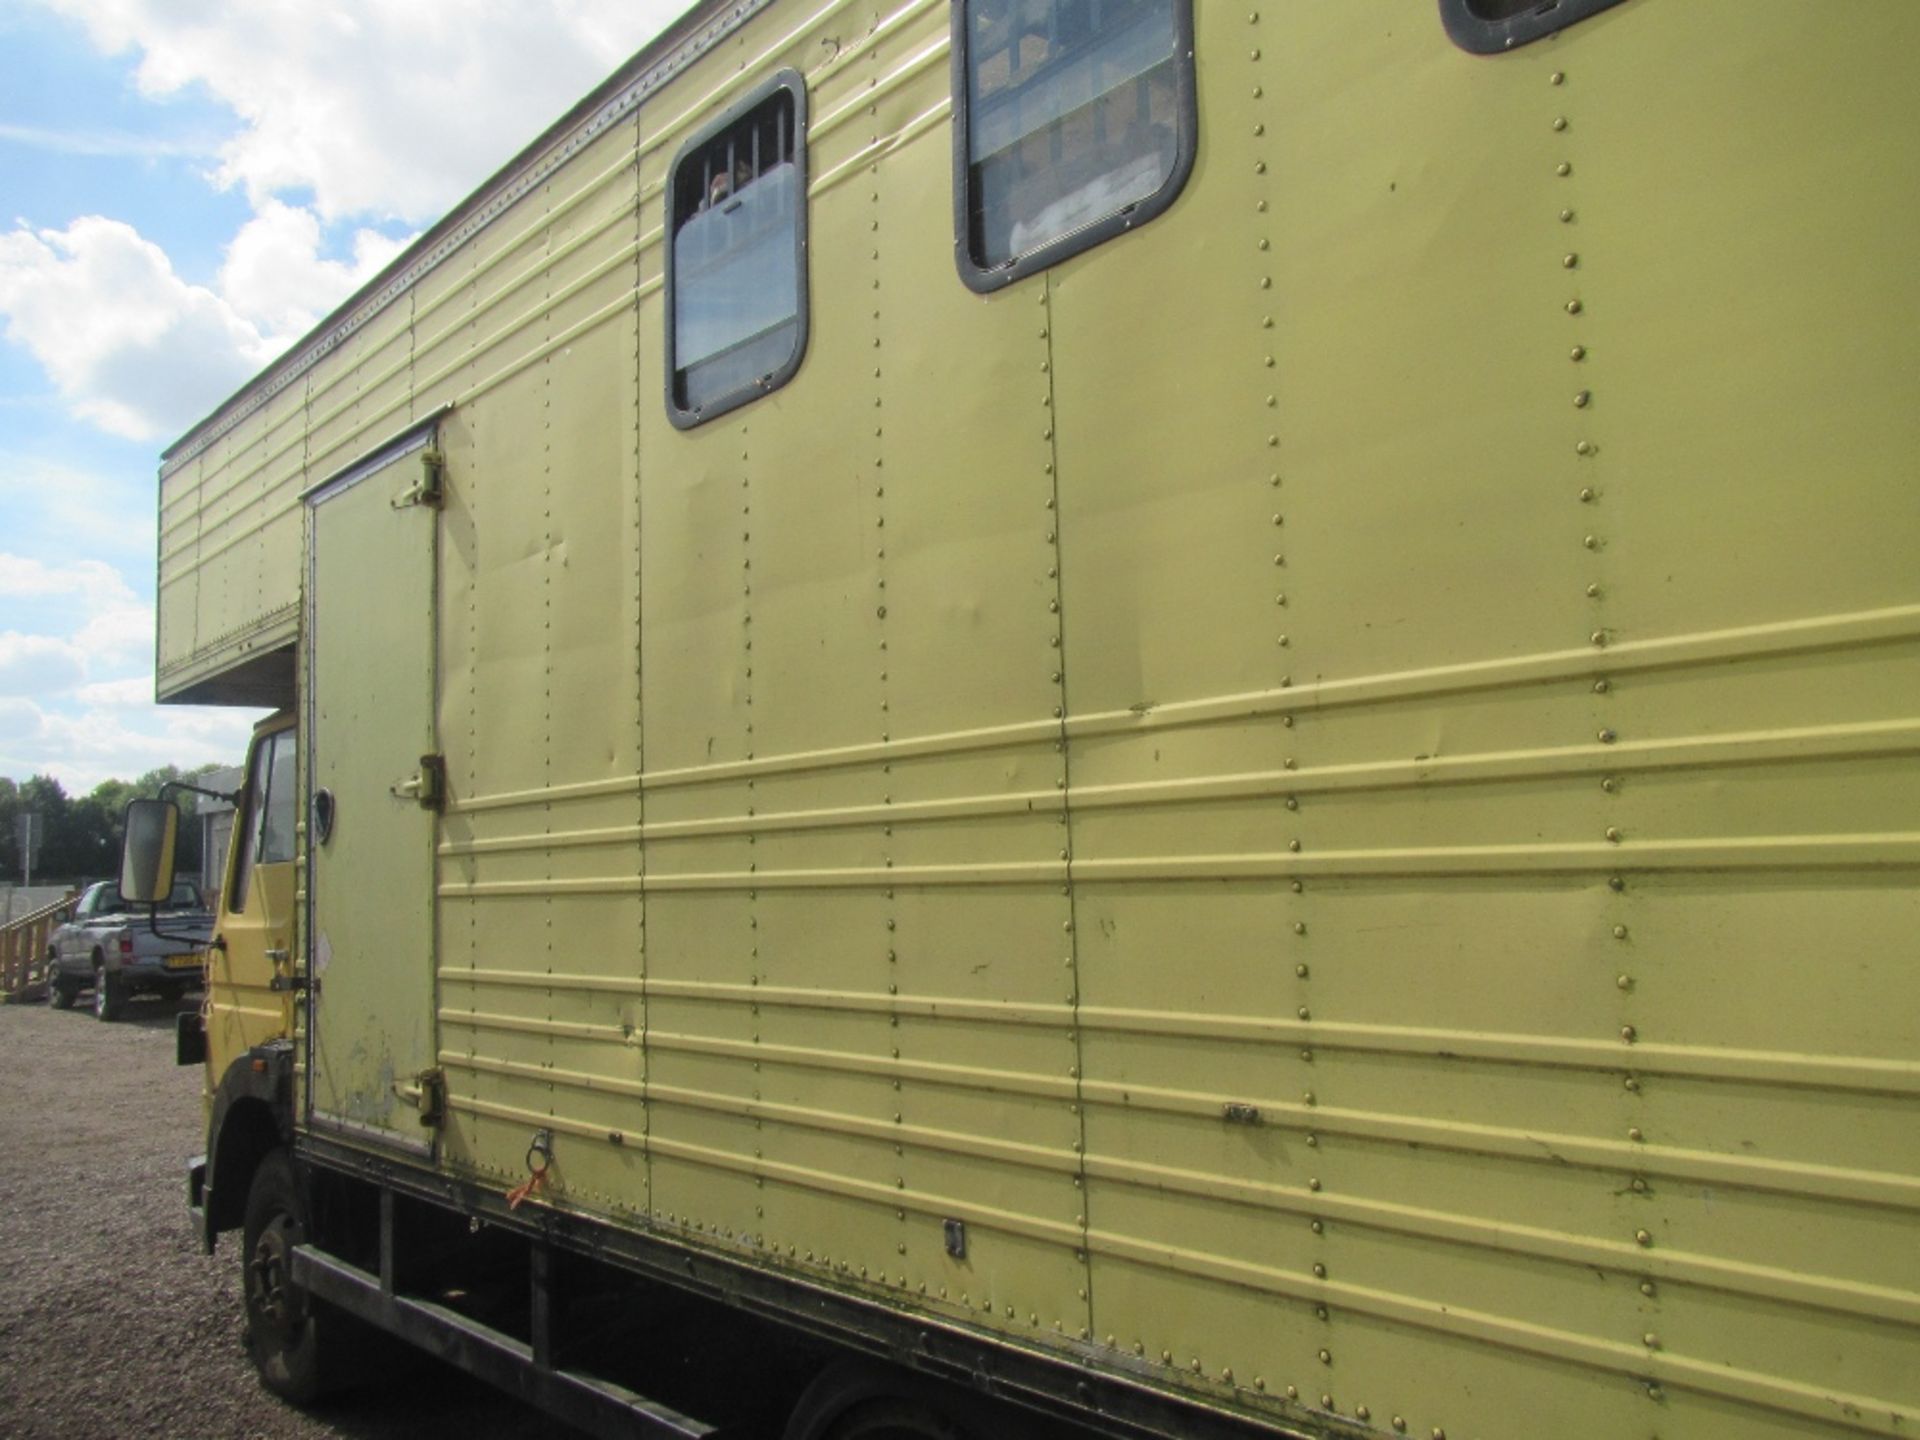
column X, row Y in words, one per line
column 431, row 488
column 429, row 787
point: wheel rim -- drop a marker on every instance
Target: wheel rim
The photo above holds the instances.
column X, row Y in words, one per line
column 276, row 1304
column 100, row 993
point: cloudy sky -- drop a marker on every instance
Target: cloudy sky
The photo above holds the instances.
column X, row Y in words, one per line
column 185, row 189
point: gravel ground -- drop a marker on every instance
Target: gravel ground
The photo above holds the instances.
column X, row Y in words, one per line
column 113, row 1323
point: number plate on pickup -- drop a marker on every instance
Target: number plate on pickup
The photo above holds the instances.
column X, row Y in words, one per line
column 183, row 962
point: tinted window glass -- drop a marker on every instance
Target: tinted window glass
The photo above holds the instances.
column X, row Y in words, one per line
column 1078, row 113
column 276, row 831
column 737, row 285
column 185, row 896
column 268, row 836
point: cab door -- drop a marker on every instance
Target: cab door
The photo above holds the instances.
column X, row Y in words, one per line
column 373, row 779
column 250, row 964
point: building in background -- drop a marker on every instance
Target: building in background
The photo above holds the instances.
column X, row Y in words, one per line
column 216, row 829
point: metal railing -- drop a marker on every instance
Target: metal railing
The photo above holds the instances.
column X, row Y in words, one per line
column 23, row 951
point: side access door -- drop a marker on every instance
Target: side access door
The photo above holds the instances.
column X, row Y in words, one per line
column 373, row 792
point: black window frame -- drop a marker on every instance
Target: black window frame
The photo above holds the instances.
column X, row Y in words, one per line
column 793, row 84
column 985, row 280
column 1469, row 27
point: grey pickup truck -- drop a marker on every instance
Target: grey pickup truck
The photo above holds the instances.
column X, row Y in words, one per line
column 112, row 948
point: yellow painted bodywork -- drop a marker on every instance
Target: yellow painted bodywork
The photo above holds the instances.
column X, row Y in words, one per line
column 242, row 1008
column 1335, row 776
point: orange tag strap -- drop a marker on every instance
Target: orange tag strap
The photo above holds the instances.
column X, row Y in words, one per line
column 535, row 1181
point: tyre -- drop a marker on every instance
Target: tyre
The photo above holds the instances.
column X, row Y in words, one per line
column 891, row 1419
column 283, row 1330
column 109, row 994
column 858, row 1401
column 61, row 992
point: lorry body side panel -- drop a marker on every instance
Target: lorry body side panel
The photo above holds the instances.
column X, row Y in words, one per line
column 504, row 752
column 177, row 594
column 229, row 551
column 359, row 394
column 987, row 1043
column 1447, row 1035
column 734, row 545
column 595, row 392
column 1202, row 562
column 1329, row 780
column 541, row 606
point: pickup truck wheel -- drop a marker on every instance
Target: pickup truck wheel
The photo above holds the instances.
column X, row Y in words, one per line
column 109, row 994
column 283, row 1329
column 61, row 992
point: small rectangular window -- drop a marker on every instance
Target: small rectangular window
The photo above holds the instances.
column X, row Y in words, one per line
column 736, row 264
column 1492, row 27
column 1077, row 122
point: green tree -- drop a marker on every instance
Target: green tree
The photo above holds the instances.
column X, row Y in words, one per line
column 81, row 836
column 66, row 847
column 9, row 848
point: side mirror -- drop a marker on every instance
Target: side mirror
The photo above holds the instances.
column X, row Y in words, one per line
column 146, row 864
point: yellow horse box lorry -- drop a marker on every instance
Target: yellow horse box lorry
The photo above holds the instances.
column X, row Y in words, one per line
column 1192, row 719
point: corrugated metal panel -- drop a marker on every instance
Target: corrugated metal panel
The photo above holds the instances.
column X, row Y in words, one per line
column 1333, row 778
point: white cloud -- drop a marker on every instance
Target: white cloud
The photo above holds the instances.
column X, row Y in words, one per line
column 23, row 577
column 76, row 681
column 76, row 690
column 118, row 636
column 375, row 108
column 133, row 693
column 130, row 345
column 54, row 508
column 90, row 624
column 135, row 349
column 20, row 727
column 385, row 108
column 276, row 279
column 116, row 741
column 33, row 665
column 107, row 144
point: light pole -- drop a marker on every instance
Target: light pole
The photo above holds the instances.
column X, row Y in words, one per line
column 26, row 832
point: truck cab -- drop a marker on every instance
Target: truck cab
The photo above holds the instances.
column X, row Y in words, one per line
column 246, row 1036
column 250, row 962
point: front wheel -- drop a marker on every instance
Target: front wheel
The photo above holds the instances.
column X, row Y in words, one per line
column 109, row 994
column 283, row 1335
column 894, row 1420
column 859, row 1401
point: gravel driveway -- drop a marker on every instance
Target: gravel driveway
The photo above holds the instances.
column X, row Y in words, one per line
column 112, row 1321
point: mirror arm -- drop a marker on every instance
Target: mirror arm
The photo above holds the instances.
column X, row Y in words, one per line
column 231, row 799
column 153, row 924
